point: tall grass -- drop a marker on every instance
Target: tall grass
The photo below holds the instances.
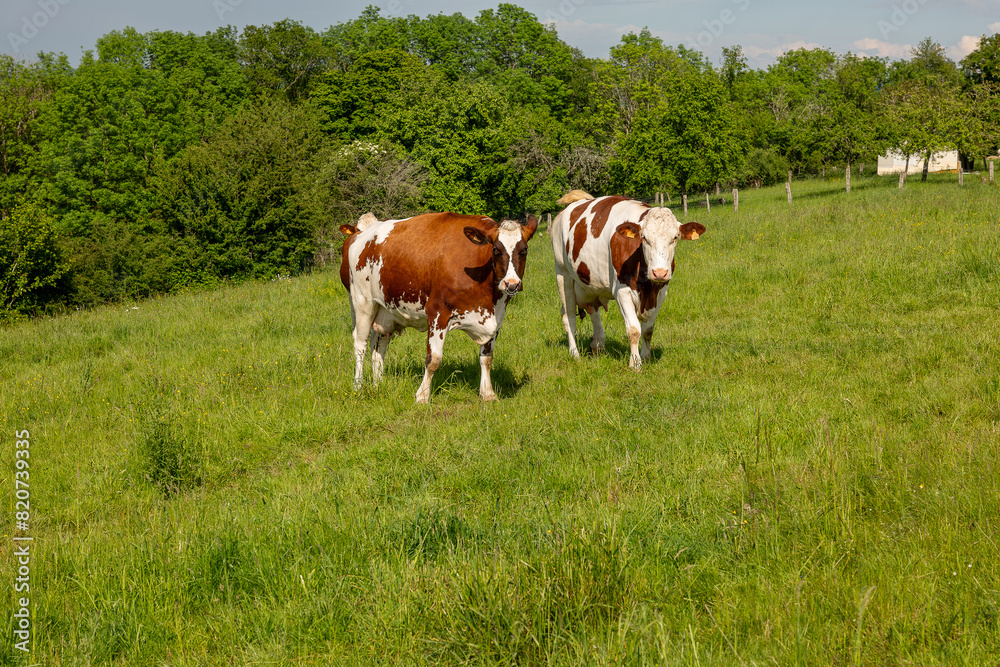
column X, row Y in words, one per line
column 806, row 473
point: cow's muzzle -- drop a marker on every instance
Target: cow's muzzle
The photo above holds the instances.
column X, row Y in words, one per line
column 659, row 275
column 511, row 287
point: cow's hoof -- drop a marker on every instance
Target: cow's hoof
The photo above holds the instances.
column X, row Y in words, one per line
column 489, row 398
column 595, row 350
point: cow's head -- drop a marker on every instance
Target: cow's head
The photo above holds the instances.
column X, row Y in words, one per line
column 510, row 251
column 657, row 237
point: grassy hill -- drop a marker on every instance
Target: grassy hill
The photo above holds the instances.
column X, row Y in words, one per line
column 808, row 472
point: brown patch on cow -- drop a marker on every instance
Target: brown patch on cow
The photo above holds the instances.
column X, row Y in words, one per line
column 583, row 271
column 602, row 211
column 630, row 264
column 578, row 227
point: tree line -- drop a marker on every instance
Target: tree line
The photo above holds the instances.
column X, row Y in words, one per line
column 168, row 161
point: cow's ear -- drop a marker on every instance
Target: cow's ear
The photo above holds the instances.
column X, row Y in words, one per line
column 528, row 228
column 477, row 236
column 348, row 229
column 629, row 231
column 692, row 230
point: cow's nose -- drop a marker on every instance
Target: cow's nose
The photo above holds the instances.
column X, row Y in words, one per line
column 511, row 285
column 660, row 274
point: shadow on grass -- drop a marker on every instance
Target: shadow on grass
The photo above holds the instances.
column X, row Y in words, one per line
column 613, row 348
column 461, row 373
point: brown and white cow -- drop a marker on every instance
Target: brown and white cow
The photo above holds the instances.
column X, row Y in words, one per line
column 615, row 248
column 434, row 272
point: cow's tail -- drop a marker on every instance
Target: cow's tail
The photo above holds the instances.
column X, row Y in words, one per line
column 572, row 196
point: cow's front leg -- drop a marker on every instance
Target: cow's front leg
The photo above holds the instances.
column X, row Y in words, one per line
column 597, row 341
column 435, row 351
column 647, row 338
column 485, row 365
column 626, row 304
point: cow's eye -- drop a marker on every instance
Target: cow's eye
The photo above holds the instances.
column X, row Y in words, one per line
column 524, row 252
column 496, row 252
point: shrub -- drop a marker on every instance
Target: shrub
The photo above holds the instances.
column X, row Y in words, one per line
column 31, row 264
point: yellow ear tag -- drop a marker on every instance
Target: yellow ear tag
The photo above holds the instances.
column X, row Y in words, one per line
column 629, row 233
column 694, row 235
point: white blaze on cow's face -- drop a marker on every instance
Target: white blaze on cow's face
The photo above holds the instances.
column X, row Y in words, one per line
column 660, row 233
column 511, row 256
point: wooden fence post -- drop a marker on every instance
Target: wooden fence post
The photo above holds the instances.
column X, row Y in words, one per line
column 684, row 199
column 788, row 191
column 708, row 204
column 848, row 176
column 991, row 171
column 960, row 171
column 548, row 224
column 736, row 200
column 902, row 177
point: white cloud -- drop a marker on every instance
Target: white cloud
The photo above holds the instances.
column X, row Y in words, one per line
column 870, row 46
column 994, row 27
column 965, row 46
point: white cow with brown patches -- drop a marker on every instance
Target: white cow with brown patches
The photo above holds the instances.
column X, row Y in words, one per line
column 433, row 272
column 615, row 248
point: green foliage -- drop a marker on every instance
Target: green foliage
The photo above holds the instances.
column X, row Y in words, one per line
column 283, row 58
column 765, row 166
column 22, row 90
column 168, row 160
column 31, row 262
column 351, row 100
column 672, row 119
column 236, row 203
column 983, row 64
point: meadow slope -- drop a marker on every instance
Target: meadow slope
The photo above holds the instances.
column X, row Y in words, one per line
column 808, row 472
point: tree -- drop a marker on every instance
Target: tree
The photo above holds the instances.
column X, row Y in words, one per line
column 925, row 103
column 351, row 99
column 283, row 58
column 239, row 203
column 983, row 64
column 31, row 262
column 850, row 123
column 23, row 89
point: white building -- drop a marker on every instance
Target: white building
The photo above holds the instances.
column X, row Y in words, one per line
column 893, row 163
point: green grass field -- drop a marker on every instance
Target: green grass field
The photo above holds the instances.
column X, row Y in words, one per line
column 808, row 472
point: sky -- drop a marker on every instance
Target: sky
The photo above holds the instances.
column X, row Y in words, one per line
column 764, row 28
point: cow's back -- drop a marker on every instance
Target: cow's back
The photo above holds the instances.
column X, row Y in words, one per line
column 415, row 259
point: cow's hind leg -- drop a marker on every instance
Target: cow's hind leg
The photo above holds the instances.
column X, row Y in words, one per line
column 363, row 319
column 597, row 341
column 382, row 331
column 435, row 351
column 567, row 299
